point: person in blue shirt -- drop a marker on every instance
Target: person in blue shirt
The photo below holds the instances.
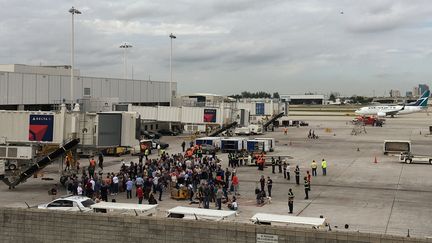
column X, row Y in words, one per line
column 129, row 185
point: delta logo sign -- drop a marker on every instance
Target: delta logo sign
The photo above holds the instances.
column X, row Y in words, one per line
column 41, row 128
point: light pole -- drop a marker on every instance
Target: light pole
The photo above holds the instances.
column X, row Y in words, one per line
column 73, row 11
column 170, row 84
column 125, row 46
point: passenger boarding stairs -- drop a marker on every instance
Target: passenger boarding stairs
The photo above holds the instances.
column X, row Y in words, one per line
column 272, row 120
column 42, row 163
column 223, row 129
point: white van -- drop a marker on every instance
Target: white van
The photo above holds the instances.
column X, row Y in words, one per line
column 124, row 208
column 200, row 213
column 285, row 220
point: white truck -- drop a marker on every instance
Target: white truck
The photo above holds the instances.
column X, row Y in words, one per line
column 2, row 168
column 249, row 130
column 409, row 157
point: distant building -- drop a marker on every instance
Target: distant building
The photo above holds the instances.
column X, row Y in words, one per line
column 422, row 88
column 415, row 91
column 307, row 99
column 395, row 93
column 409, row 94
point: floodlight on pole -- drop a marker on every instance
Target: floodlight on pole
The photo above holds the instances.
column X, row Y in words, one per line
column 73, row 11
column 170, row 83
column 125, row 46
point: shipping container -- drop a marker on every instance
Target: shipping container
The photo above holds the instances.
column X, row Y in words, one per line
column 215, row 141
column 271, row 142
column 233, row 144
column 258, row 146
column 397, row 146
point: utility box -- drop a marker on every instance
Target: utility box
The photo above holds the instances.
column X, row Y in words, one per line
column 17, row 152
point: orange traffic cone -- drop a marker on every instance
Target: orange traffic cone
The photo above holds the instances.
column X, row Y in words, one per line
column 375, row 161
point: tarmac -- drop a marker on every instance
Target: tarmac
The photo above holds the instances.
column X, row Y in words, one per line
column 387, row 197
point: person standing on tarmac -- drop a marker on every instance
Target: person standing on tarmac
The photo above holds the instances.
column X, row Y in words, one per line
column 297, row 174
column 290, row 201
column 306, row 187
column 284, row 169
column 269, row 185
column 273, row 164
column 324, row 167
column 279, row 162
column 262, row 183
column 183, row 145
column 101, row 160
column 314, row 167
column 288, row 171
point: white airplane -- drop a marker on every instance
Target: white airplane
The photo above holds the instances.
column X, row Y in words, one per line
column 390, row 110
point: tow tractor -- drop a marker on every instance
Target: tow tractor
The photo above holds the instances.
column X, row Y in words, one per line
column 408, row 157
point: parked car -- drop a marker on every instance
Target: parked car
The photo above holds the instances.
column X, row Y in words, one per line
column 151, row 135
column 156, row 142
column 208, row 149
column 167, row 132
column 69, row 203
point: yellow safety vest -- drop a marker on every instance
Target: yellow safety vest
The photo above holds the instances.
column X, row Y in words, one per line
column 324, row 164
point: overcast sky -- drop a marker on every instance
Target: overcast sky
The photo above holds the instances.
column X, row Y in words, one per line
column 228, row 46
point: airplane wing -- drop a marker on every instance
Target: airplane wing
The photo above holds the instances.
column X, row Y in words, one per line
column 392, row 113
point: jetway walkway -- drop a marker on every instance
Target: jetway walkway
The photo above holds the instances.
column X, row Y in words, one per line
column 42, row 163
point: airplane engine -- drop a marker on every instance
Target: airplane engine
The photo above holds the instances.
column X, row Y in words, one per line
column 381, row 114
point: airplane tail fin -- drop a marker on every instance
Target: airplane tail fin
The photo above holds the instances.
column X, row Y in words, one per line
column 423, row 100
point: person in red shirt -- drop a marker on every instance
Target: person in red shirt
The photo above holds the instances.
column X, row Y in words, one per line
column 140, row 195
column 235, row 183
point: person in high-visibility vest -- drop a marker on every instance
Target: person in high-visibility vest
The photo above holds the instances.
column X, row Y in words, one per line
column 324, row 167
column 290, row 200
column 314, row 167
column 146, row 153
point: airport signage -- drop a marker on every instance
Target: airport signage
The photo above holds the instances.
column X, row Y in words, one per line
column 41, row 128
column 265, row 238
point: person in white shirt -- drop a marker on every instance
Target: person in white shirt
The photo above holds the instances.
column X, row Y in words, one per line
column 288, row 171
column 93, row 184
column 115, row 181
column 79, row 190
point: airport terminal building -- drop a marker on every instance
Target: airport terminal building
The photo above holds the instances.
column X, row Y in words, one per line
column 306, row 99
column 24, row 87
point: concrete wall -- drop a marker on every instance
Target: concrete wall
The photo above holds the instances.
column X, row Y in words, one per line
column 32, row 225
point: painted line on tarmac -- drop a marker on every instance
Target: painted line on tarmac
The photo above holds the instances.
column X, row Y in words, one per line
column 394, row 198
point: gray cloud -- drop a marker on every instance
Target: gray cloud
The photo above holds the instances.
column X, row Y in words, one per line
column 228, row 46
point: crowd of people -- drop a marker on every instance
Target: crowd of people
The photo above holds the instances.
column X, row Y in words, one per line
column 202, row 175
